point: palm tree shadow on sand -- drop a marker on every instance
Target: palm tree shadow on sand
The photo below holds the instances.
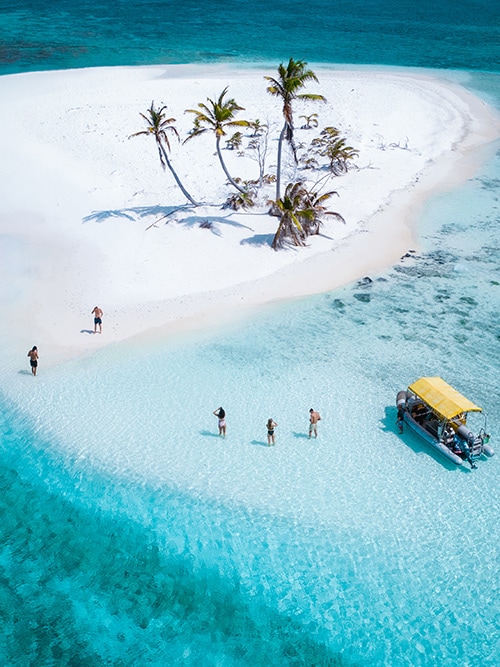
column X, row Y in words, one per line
column 258, row 239
column 163, row 213
column 135, row 213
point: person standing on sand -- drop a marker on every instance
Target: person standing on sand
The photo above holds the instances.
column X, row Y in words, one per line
column 221, row 416
column 271, row 425
column 97, row 313
column 33, row 355
column 314, row 418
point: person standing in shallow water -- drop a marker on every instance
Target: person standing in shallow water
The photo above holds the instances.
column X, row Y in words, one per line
column 271, row 425
column 314, row 418
column 97, row 313
column 33, row 355
column 221, row 416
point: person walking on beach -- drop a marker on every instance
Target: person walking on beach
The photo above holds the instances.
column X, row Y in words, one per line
column 97, row 313
column 221, row 416
column 271, row 425
column 33, row 355
column 314, row 418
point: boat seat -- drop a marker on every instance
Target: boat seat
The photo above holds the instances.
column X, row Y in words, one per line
column 432, row 426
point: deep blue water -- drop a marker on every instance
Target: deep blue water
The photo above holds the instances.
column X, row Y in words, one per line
column 55, row 34
column 94, row 570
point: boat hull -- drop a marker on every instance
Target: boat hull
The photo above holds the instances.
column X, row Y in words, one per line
column 430, row 440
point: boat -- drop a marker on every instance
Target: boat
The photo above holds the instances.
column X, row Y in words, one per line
column 438, row 413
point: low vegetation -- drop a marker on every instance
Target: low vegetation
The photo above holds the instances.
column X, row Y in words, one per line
column 302, row 208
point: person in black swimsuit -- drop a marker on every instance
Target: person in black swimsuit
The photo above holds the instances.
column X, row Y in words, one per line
column 271, row 425
column 33, row 355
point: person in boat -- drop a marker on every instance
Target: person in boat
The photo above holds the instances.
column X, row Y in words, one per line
column 400, row 419
column 419, row 413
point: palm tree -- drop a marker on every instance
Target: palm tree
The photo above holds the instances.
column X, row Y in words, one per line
column 217, row 116
column 316, row 202
column 235, row 141
column 158, row 126
column 293, row 212
column 329, row 144
column 310, row 121
column 300, row 212
column 257, row 127
column 290, row 80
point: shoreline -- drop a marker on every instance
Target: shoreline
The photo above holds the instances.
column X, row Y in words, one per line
column 64, row 250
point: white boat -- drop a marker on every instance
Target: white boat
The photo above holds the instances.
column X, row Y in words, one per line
column 439, row 413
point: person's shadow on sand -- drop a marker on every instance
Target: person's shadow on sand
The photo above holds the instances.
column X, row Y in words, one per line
column 89, row 331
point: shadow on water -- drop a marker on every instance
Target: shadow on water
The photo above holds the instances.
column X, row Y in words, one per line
column 412, row 440
column 259, row 442
column 209, row 434
column 297, row 434
column 25, row 372
column 87, row 331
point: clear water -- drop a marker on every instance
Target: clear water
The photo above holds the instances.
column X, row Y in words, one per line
column 360, row 548
column 54, row 34
column 389, row 558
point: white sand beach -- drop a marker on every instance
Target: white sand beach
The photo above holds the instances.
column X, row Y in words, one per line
column 84, row 208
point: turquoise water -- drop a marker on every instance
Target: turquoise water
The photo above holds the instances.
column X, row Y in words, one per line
column 55, row 34
column 391, row 557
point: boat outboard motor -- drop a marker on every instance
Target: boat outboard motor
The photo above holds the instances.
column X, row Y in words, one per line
column 466, row 441
column 401, row 399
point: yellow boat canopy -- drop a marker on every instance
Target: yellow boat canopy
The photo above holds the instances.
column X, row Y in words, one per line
column 442, row 398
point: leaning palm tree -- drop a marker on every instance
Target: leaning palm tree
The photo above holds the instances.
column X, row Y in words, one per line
column 158, row 126
column 316, row 202
column 300, row 211
column 293, row 212
column 217, row 116
column 290, row 80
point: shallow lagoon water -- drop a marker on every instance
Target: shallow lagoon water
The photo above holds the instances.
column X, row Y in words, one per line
column 361, row 548
column 130, row 535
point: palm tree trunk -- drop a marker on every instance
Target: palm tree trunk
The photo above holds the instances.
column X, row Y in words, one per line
column 278, row 167
column 229, row 178
column 177, row 179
